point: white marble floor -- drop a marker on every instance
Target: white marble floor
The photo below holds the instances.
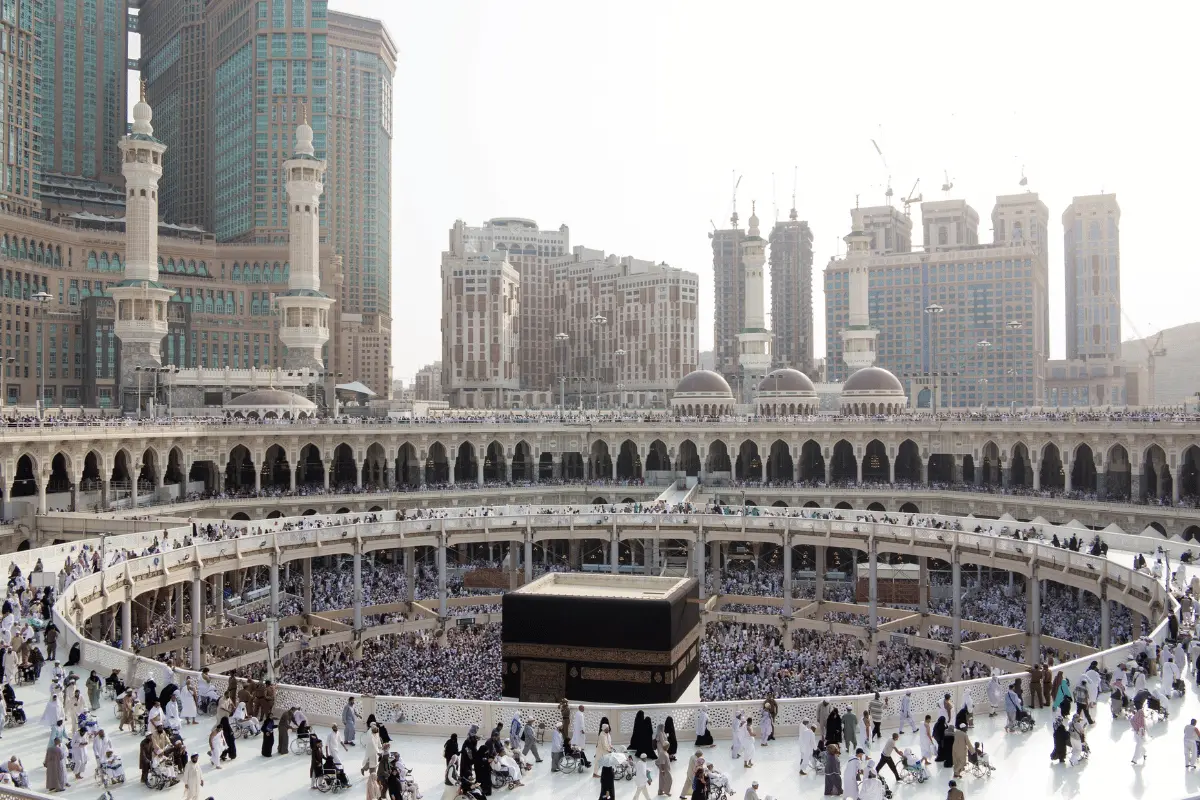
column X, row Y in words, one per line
column 1023, row 767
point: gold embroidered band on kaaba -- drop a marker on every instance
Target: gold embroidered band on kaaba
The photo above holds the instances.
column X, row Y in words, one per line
column 603, row 655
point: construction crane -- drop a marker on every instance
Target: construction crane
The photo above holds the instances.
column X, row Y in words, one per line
column 888, row 193
column 913, row 197
column 1024, row 181
column 1154, row 351
column 949, row 184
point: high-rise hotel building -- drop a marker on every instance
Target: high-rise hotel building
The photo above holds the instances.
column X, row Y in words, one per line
column 963, row 322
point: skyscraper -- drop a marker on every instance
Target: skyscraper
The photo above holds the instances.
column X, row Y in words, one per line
column 358, row 189
column 729, row 292
column 791, row 294
column 22, row 20
column 1092, row 262
column 175, row 67
column 83, row 75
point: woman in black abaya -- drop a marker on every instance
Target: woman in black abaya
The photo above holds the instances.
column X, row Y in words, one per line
column 833, row 727
column 672, row 742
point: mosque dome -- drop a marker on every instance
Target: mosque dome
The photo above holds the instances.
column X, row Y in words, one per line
column 873, row 379
column 703, row 381
column 267, row 403
column 787, row 381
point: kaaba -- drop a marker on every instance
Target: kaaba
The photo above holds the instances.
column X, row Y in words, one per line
column 601, row 638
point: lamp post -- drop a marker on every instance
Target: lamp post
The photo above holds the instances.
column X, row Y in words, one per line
column 562, row 339
column 983, row 346
column 1013, row 325
column 42, row 299
column 933, row 310
column 620, row 377
column 597, row 321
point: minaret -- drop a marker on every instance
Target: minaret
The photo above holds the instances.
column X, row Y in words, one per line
column 141, row 301
column 304, row 308
column 754, row 340
column 858, row 340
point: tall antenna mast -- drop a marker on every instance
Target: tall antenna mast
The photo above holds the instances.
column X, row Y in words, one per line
column 792, row 216
column 734, row 217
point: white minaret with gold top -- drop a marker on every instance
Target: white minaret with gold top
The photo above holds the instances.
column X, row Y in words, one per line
column 141, row 301
column 754, row 340
column 304, row 308
column 858, row 338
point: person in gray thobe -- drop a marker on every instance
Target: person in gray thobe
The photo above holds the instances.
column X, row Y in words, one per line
column 349, row 715
column 663, row 761
column 529, row 735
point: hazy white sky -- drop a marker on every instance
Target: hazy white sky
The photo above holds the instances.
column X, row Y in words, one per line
column 626, row 118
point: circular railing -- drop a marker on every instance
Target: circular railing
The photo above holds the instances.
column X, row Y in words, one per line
column 98, row 591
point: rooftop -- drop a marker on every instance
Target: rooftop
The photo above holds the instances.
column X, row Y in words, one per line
column 619, row 587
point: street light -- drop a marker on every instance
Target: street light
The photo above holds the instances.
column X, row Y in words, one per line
column 933, row 310
column 620, row 354
column 597, row 321
column 562, row 339
column 42, row 299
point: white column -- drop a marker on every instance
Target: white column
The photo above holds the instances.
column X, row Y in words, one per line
column 873, row 585
column 308, row 606
column 614, row 554
column 358, row 587
column 441, row 564
column 787, row 574
column 127, row 625
column 197, row 620
column 273, row 575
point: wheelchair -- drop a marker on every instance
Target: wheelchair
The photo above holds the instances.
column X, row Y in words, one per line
column 108, row 776
column 502, row 779
column 242, row 729
column 300, row 746
column 979, row 769
column 624, row 769
column 914, row 771
column 14, row 717
column 1024, row 722
column 333, row 779
column 162, row 775
column 572, row 760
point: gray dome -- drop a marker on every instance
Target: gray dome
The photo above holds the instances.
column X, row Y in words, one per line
column 271, row 398
column 703, row 381
column 873, row 379
column 790, row 381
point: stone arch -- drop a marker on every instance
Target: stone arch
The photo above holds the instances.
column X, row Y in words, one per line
column 93, row 471
column 876, row 467
column 522, row 463
column 1118, row 474
column 437, row 465
column 688, row 460
column 309, row 512
column 812, row 504
column 991, row 464
column 174, row 472
column 941, row 468
column 844, row 464
column 657, row 458
column 629, row 461
column 241, row 515
column 599, row 501
column 1051, row 475
column 546, row 467
column 1083, row 469
column 1156, row 474
column 1158, row 526
column 25, row 479
column 779, row 462
column 342, row 510
column 718, row 458
column 1189, row 472
column 148, row 474
column 495, row 463
column 968, row 468
column 466, row 466
column 375, row 466
column 276, row 514
column 276, row 470
column 844, row 506
column 573, row 466
column 1191, row 533
column 239, row 468
column 599, row 460
column 1020, row 467
column 344, row 470
column 779, row 504
column 60, row 473
column 812, row 462
column 909, row 508
column 311, row 466
column 408, row 467
column 749, row 462
column 908, row 462
column 876, row 506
